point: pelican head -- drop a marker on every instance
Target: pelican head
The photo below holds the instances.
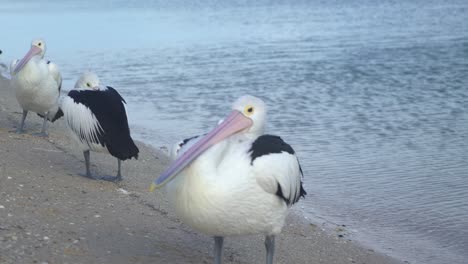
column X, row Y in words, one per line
column 254, row 109
column 88, row 81
column 247, row 117
column 38, row 48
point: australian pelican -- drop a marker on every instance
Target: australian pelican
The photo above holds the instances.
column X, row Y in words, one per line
column 37, row 83
column 235, row 180
column 97, row 119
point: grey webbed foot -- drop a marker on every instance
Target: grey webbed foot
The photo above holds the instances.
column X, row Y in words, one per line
column 19, row 131
column 41, row 134
column 117, row 178
column 89, row 176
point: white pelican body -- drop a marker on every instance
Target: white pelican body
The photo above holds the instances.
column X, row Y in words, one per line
column 37, row 84
column 220, row 194
column 98, row 122
column 235, row 180
column 36, row 88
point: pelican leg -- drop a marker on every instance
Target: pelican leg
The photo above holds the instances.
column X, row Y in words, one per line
column 88, row 171
column 218, row 249
column 44, row 125
column 43, row 132
column 270, row 248
column 119, row 176
column 20, row 128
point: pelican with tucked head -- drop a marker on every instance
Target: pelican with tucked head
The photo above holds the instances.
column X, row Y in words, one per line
column 37, row 83
column 235, row 180
column 98, row 122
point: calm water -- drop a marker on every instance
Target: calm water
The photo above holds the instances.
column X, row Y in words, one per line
column 373, row 97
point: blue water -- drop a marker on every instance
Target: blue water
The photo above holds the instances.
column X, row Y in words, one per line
column 373, row 96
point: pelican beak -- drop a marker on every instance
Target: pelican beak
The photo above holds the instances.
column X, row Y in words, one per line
column 232, row 124
column 31, row 53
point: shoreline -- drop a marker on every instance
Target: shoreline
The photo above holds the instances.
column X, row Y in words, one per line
column 51, row 214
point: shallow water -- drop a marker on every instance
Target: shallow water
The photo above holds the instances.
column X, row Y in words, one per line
column 373, row 97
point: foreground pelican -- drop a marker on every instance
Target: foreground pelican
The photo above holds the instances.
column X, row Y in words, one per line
column 235, row 180
column 97, row 119
column 37, row 83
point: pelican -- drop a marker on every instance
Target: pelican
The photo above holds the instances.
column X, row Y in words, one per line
column 1, row 64
column 235, row 180
column 97, row 119
column 37, row 83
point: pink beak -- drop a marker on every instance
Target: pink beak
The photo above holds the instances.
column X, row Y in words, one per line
column 232, row 124
column 31, row 53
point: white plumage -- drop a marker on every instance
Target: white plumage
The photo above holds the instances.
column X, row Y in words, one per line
column 221, row 194
column 36, row 88
column 82, row 121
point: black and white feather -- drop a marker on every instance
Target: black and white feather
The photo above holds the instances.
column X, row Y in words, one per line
column 278, row 168
column 98, row 120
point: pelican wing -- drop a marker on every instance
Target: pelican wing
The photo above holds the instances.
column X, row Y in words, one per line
column 55, row 73
column 100, row 117
column 55, row 112
column 81, row 120
column 181, row 146
column 276, row 168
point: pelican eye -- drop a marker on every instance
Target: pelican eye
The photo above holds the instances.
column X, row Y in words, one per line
column 39, row 44
column 88, row 84
column 248, row 110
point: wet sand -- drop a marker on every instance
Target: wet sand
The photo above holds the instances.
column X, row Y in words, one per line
column 50, row 214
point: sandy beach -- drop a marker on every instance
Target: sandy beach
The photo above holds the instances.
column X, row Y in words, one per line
column 50, row 214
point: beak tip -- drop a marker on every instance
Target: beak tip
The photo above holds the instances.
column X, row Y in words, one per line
column 152, row 187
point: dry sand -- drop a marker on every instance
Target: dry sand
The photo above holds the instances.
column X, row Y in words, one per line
column 50, row 214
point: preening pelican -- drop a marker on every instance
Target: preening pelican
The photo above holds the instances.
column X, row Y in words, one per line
column 97, row 119
column 37, row 83
column 235, row 180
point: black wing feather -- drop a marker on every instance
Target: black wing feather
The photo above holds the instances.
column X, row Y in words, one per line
column 108, row 107
column 268, row 144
